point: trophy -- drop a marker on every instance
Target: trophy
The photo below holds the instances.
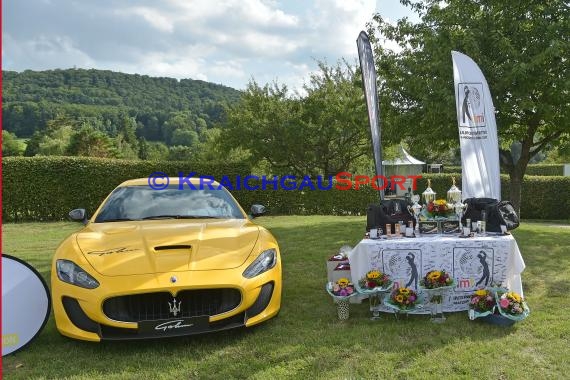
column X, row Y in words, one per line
column 415, row 211
column 454, row 199
column 429, row 194
column 459, row 209
column 453, row 194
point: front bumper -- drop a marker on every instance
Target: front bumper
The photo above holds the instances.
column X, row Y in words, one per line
column 139, row 307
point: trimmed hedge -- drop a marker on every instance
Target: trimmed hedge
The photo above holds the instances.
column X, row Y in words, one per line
column 542, row 197
column 451, row 169
column 47, row 188
column 545, row 169
column 533, row 169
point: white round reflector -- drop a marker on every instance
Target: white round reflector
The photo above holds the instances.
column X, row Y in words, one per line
column 25, row 304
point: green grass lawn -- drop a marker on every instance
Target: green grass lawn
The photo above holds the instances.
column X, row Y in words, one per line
column 306, row 340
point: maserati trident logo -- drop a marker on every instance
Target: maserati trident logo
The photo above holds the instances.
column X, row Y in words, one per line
column 174, row 308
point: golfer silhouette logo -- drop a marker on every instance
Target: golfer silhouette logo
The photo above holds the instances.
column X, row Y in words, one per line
column 466, row 104
column 486, row 276
column 414, row 270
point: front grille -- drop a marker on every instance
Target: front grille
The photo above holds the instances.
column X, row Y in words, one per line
column 154, row 306
column 117, row 333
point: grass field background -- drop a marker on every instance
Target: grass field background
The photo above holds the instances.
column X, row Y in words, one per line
column 306, row 341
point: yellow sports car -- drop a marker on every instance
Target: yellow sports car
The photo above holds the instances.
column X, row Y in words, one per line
column 160, row 263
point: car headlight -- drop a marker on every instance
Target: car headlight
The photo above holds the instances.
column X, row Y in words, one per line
column 68, row 271
column 265, row 261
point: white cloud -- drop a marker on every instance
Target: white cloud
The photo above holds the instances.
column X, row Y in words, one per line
column 226, row 41
column 43, row 52
column 154, row 18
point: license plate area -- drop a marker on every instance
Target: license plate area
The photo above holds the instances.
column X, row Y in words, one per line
column 174, row 326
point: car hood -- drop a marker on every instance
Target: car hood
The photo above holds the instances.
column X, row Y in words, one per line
column 158, row 246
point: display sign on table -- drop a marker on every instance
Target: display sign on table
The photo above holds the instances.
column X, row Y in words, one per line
column 473, row 263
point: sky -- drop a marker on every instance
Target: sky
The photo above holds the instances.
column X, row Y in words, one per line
column 228, row 42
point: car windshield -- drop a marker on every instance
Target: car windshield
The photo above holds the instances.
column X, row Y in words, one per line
column 143, row 203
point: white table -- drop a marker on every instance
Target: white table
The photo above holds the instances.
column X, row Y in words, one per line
column 473, row 263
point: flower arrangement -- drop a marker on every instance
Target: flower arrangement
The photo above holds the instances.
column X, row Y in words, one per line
column 436, row 279
column 498, row 306
column 482, row 301
column 404, row 298
column 512, row 303
column 439, row 207
column 374, row 279
column 342, row 288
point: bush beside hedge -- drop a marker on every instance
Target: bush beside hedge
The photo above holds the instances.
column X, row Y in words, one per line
column 47, row 188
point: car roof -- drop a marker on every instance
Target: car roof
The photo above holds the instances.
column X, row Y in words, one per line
column 171, row 180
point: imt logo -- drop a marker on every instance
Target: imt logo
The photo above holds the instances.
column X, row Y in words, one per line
column 471, row 105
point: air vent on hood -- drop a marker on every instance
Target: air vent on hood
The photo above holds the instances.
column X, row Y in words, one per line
column 167, row 247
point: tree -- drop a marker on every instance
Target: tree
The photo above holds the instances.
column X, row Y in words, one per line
column 10, row 145
column 143, row 149
column 54, row 139
column 91, row 143
column 180, row 153
column 322, row 132
column 176, row 121
column 522, row 48
column 184, row 136
column 157, row 151
column 212, row 148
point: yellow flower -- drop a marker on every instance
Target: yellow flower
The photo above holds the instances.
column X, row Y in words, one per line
column 404, row 291
column 515, row 296
column 481, row 292
column 435, row 275
column 342, row 282
column 399, row 298
column 373, row 274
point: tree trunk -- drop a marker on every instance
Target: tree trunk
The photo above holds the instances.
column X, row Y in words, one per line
column 516, row 175
column 515, row 190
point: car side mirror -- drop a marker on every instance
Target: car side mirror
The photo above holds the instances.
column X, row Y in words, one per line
column 257, row 210
column 78, row 215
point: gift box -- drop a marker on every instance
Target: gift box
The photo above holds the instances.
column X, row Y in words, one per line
column 332, row 263
column 429, row 227
column 450, row 227
column 341, row 270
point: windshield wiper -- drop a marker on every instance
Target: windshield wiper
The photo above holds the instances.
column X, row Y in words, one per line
column 179, row 217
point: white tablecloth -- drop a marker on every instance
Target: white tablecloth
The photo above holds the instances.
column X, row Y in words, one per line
column 472, row 262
